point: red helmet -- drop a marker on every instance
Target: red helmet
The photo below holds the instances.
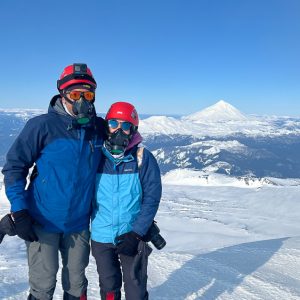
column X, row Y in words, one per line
column 76, row 74
column 123, row 111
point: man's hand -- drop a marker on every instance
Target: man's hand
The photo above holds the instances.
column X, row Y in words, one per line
column 23, row 224
column 128, row 243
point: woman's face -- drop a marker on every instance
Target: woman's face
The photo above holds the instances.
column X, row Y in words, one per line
column 115, row 124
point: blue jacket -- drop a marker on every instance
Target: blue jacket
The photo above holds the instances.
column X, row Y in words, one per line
column 126, row 198
column 66, row 158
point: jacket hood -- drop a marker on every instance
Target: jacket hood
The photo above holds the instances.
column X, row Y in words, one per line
column 56, row 106
column 135, row 140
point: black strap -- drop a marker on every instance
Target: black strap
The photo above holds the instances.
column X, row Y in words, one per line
column 75, row 76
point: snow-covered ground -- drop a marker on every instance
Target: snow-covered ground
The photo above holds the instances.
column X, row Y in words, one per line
column 223, row 242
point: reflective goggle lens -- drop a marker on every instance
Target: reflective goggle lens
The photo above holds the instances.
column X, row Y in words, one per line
column 76, row 95
column 114, row 124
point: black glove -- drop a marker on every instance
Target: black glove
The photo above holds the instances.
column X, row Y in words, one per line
column 128, row 243
column 7, row 226
column 23, row 223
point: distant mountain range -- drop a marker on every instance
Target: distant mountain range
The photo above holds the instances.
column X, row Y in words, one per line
column 218, row 139
column 219, row 120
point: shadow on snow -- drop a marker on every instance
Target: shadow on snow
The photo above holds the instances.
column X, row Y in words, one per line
column 216, row 272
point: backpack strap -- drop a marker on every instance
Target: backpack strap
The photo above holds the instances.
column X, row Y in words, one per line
column 139, row 156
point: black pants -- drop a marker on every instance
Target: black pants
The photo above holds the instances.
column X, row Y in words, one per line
column 110, row 275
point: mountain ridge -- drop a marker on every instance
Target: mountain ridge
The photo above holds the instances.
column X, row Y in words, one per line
column 259, row 147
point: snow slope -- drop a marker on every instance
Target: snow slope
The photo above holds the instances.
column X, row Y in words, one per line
column 223, row 242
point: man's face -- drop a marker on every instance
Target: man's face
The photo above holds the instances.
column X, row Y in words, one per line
column 69, row 105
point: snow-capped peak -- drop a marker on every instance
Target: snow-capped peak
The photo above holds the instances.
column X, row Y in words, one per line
column 221, row 111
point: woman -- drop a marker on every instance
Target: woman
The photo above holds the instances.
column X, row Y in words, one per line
column 127, row 198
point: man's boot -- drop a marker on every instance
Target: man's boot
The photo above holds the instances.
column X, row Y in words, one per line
column 113, row 295
column 70, row 297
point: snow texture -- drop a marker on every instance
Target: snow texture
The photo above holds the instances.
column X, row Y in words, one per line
column 224, row 241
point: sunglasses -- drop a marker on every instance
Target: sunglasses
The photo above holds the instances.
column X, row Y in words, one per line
column 76, row 95
column 113, row 124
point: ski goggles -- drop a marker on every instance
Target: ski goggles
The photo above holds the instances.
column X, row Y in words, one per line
column 76, row 95
column 113, row 124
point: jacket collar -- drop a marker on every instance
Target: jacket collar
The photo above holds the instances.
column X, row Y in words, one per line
column 117, row 160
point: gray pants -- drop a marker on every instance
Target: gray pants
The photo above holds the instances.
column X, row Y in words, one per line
column 110, row 275
column 43, row 262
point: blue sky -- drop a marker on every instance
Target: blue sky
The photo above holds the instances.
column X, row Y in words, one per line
column 165, row 56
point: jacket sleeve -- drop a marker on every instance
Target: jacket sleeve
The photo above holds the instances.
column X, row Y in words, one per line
column 19, row 159
column 151, row 189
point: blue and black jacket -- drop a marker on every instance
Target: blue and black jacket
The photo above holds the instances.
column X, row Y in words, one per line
column 66, row 158
column 126, row 198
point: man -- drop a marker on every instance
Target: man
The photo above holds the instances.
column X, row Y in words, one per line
column 53, row 214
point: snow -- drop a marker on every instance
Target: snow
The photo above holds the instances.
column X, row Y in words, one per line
column 226, row 239
column 23, row 113
column 206, row 177
column 215, row 147
column 221, row 111
column 220, row 119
